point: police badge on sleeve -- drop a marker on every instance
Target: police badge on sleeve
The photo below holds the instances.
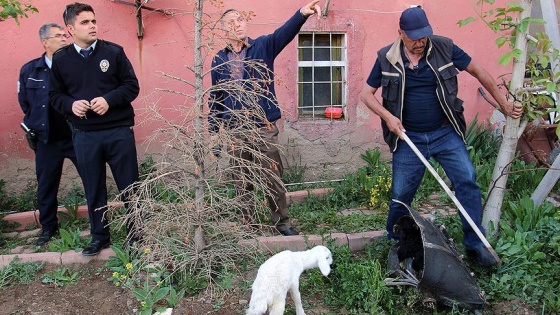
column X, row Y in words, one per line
column 104, row 65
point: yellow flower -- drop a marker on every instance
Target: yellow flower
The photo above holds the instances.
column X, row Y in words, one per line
column 117, row 283
column 128, row 266
column 123, row 277
column 147, row 250
column 143, row 303
column 115, row 274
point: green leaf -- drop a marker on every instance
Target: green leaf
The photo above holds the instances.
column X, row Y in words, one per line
column 537, row 256
column 505, row 58
column 65, row 235
column 500, row 41
column 466, row 21
column 140, row 294
column 514, row 250
column 517, row 53
column 160, row 294
column 550, row 87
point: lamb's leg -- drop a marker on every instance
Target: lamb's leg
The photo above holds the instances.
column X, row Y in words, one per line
column 278, row 307
column 296, row 297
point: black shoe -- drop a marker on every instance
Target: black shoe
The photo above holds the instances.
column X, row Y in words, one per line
column 483, row 256
column 46, row 236
column 2, row 243
column 289, row 232
column 95, row 247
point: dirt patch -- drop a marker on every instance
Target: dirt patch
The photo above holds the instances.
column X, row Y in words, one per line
column 93, row 294
column 514, row 307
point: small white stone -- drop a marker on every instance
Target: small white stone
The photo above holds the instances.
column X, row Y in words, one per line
column 166, row 312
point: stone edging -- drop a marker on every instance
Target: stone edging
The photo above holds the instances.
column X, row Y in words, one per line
column 355, row 242
column 28, row 218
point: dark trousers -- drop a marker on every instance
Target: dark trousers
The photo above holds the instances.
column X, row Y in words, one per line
column 276, row 198
column 94, row 149
column 49, row 160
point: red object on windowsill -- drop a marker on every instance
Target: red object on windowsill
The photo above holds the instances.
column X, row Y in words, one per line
column 333, row 112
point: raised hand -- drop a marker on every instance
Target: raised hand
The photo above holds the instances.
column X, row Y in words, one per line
column 310, row 9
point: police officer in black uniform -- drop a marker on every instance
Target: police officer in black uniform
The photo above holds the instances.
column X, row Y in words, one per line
column 54, row 139
column 93, row 84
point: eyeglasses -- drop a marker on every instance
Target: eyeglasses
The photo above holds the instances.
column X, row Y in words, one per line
column 58, row 36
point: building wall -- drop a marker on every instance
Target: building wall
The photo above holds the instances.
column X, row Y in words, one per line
column 326, row 148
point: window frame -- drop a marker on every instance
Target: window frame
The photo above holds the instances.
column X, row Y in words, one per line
column 318, row 111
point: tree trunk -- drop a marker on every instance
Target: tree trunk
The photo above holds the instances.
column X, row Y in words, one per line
column 551, row 27
column 199, row 139
column 492, row 210
column 547, row 183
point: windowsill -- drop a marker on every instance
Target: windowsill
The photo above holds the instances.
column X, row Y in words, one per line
column 319, row 120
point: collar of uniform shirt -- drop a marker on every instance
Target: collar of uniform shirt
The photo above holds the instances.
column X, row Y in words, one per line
column 78, row 48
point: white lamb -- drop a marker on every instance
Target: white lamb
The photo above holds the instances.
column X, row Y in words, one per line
column 281, row 273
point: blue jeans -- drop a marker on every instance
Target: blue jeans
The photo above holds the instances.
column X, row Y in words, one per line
column 449, row 150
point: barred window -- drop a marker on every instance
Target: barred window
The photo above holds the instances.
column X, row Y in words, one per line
column 321, row 72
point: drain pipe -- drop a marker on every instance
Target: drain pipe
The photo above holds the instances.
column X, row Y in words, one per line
column 326, row 8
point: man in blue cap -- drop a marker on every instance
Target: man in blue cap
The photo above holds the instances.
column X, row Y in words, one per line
column 418, row 79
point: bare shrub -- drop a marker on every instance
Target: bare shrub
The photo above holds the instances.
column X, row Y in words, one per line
column 186, row 210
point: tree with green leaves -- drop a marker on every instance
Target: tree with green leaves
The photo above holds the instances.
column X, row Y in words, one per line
column 533, row 79
column 15, row 9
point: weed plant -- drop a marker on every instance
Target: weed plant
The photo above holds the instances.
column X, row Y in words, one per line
column 19, row 273
column 75, row 197
column 528, row 245
column 68, row 240
column 152, row 285
column 60, row 277
column 294, row 174
column 356, row 283
column 24, row 202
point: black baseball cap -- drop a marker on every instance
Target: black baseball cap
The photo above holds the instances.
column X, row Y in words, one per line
column 414, row 23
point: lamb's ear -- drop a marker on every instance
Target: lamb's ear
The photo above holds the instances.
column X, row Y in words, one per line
column 324, row 266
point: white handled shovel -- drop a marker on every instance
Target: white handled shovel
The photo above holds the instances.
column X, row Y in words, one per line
column 450, row 193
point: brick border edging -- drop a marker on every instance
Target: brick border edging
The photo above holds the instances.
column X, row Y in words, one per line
column 355, row 242
column 26, row 218
column 56, row 258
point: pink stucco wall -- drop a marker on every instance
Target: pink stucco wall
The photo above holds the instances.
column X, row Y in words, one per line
column 325, row 147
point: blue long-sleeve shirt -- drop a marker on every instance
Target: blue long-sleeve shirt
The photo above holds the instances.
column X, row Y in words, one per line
column 263, row 49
